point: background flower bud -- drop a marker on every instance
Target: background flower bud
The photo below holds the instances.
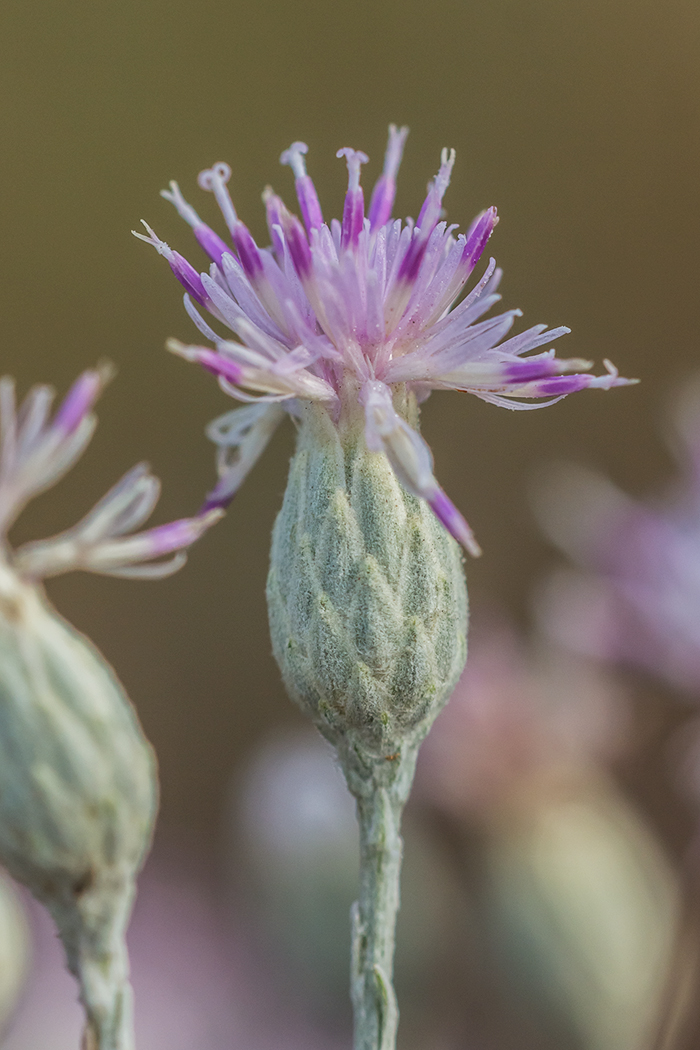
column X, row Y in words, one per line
column 366, row 594
column 78, row 796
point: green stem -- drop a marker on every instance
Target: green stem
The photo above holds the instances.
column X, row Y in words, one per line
column 92, row 924
column 380, row 804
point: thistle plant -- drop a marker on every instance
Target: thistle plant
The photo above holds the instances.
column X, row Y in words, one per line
column 78, row 784
column 347, row 327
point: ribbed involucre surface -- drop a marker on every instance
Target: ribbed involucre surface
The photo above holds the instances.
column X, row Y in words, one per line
column 366, row 595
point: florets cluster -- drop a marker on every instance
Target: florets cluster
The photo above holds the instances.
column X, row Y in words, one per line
column 348, row 313
column 37, row 449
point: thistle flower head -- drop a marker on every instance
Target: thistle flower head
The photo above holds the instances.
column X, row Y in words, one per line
column 38, row 448
column 347, row 313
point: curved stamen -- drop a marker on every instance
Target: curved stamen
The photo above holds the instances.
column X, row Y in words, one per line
column 354, row 208
column 306, row 191
column 184, row 271
column 430, row 212
column 384, row 192
column 427, row 219
column 274, row 210
column 184, row 210
column 208, row 239
column 214, row 180
column 294, row 157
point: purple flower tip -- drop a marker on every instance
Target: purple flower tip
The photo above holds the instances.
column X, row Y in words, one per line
column 82, row 396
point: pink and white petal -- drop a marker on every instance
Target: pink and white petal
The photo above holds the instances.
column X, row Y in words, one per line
column 411, row 460
column 502, row 373
column 241, row 436
column 126, row 506
column 68, row 552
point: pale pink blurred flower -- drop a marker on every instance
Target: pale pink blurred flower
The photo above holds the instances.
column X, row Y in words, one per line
column 635, row 595
column 518, row 716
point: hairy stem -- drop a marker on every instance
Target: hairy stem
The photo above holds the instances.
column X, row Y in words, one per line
column 379, row 807
column 107, row 998
column 92, row 924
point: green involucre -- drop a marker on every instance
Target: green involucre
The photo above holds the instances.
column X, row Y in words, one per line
column 366, row 595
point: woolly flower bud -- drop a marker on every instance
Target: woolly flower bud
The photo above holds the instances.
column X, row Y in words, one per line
column 78, row 786
column 366, row 595
column 78, row 796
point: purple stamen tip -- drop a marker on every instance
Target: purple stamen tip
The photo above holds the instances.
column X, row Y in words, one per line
column 188, row 277
column 445, row 511
column 219, row 498
column 430, row 212
column 384, row 192
column 212, row 244
column 306, row 191
column 219, row 366
column 207, row 238
column 298, row 245
column 478, row 235
column 81, row 397
column 394, row 149
column 178, row 534
column 354, row 207
column 248, row 252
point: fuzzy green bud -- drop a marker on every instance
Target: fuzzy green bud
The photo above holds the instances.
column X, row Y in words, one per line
column 78, row 796
column 366, row 595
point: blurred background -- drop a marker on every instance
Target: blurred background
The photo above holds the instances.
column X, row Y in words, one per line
column 581, row 122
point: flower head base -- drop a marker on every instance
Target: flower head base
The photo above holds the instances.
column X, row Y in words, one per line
column 37, row 450
column 350, row 314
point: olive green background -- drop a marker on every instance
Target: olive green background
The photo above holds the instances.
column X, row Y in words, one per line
column 581, row 122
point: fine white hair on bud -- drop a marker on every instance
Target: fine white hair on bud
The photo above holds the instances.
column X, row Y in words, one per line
column 366, row 595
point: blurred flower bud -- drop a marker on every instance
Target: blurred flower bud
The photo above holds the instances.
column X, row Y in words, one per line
column 588, row 908
column 366, row 595
column 582, row 902
column 78, row 785
column 78, row 794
